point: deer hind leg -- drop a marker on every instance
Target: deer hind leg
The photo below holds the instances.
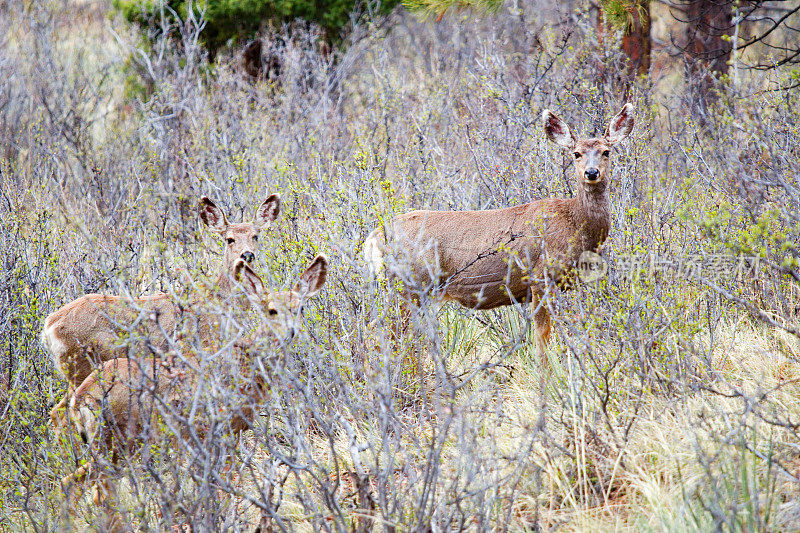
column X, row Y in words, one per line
column 105, row 497
column 401, row 324
column 75, row 365
column 409, row 346
column 74, row 485
column 60, row 353
column 410, row 332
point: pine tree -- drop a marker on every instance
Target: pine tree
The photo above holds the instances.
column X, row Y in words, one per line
column 437, row 8
column 234, row 21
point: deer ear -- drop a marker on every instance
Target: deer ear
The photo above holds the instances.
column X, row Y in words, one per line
column 557, row 130
column 621, row 125
column 252, row 283
column 269, row 210
column 312, row 280
column 212, row 216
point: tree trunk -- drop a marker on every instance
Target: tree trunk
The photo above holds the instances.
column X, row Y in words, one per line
column 636, row 41
column 708, row 48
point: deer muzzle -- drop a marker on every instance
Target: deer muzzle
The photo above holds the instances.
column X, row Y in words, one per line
column 592, row 175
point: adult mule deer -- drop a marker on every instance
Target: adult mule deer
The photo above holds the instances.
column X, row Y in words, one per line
column 87, row 331
column 496, row 257
column 119, row 405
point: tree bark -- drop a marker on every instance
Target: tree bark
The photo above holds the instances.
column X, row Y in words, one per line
column 636, row 41
column 708, row 46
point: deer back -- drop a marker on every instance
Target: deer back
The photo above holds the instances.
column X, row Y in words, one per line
column 489, row 258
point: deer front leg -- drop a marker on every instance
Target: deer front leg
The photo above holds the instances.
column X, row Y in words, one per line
column 542, row 324
column 58, row 415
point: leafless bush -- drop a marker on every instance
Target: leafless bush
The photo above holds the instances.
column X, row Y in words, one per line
column 669, row 393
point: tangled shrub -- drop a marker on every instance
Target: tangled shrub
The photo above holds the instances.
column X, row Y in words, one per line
column 669, row 398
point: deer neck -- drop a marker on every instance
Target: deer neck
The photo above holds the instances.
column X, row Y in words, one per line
column 226, row 287
column 592, row 214
column 224, row 283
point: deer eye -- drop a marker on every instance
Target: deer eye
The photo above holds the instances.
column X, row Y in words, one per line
column 606, row 153
column 272, row 312
column 255, row 238
column 231, row 240
column 577, row 155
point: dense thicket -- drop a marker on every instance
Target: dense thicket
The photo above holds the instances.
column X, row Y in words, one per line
column 669, row 399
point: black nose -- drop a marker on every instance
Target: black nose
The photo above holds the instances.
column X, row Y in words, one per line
column 248, row 256
column 592, row 174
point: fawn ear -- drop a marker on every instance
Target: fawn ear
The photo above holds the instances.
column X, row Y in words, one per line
column 252, row 283
column 557, row 130
column 621, row 125
column 312, row 280
column 212, row 216
column 268, row 211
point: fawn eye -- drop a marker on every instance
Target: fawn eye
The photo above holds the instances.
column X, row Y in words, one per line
column 231, row 240
column 577, row 155
column 272, row 312
column 606, row 153
column 255, row 238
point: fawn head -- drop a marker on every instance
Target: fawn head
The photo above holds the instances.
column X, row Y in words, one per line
column 284, row 309
column 591, row 155
column 241, row 240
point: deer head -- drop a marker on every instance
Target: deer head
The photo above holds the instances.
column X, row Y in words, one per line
column 591, row 155
column 283, row 309
column 241, row 240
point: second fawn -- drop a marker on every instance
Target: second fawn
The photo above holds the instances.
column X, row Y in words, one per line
column 88, row 330
column 118, row 405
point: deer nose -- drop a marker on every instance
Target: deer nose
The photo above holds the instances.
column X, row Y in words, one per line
column 248, row 256
column 592, row 174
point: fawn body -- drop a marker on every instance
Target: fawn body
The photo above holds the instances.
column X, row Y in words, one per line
column 117, row 404
column 88, row 330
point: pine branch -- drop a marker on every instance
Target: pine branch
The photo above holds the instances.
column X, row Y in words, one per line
column 437, row 8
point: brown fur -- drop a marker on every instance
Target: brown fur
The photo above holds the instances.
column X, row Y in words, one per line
column 88, row 331
column 122, row 398
column 491, row 258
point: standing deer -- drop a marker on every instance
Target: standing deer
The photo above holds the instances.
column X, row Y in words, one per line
column 497, row 257
column 87, row 331
column 115, row 404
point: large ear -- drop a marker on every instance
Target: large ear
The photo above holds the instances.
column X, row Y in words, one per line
column 312, row 280
column 212, row 216
column 269, row 210
column 557, row 130
column 621, row 125
column 252, row 283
